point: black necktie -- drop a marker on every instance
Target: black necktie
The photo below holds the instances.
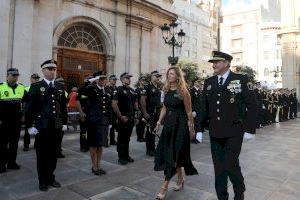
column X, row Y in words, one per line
column 50, row 85
column 221, row 81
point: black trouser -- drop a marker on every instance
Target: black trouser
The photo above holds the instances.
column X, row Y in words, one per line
column 274, row 114
column 285, row 112
column 47, row 143
column 281, row 115
column 124, row 134
column 225, row 155
column 140, row 128
column 150, row 137
column 59, row 148
column 26, row 138
column 9, row 138
column 83, row 136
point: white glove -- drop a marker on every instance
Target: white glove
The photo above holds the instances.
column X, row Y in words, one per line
column 32, row 131
column 194, row 114
column 109, row 126
column 199, row 136
column 64, row 128
column 263, row 107
column 248, row 137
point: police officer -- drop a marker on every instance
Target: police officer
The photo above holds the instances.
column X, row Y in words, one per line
column 259, row 99
column 281, row 105
column 150, row 105
column 97, row 115
column 294, row 107
column 11, row 98
column 141, row 125
column 286, row 104
column 275, row 105
column 196, row 93
column 230, row 105
column 124, row 105
column 81, row 101
column 46, row 117
column 61, row 80
column 112, row 87
column 26, row 139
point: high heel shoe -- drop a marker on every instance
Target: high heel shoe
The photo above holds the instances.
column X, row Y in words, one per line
column 179, row 185
column 160, row 195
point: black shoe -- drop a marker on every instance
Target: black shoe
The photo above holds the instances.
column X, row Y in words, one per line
column 25, row 148
column 101, row 171
column 43, row 187
column 129, row 159
column 55, row 184
column 96, row 172
column 113, row 143
column 239, row 197
column 150, row 153
column 84, row 150
column 141, row 140
column 13, row 166
column 122, row 161
column 106, row 145
column 60, row 155
column 2, row 169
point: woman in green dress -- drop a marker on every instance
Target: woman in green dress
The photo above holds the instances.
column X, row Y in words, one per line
column 173, row 148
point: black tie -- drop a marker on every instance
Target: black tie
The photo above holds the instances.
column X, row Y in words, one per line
column 50, row 85
column 221, row 81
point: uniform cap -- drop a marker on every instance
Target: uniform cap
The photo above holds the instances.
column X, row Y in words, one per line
column 49, row 64
column 218, row 55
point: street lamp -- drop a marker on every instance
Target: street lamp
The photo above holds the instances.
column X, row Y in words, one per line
column 172, row 38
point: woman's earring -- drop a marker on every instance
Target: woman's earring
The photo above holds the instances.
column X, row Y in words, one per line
column 177, row 80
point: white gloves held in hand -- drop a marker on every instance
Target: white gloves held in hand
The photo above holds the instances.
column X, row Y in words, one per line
column 248, row 137
column 199, row 136
column 32, row 131
column 64, row 128
column 194, row 114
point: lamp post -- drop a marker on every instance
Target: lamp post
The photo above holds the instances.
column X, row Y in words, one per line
column 173, row 39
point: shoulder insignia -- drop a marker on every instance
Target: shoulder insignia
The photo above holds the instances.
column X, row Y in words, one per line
column 208, row 87
column 250, row 86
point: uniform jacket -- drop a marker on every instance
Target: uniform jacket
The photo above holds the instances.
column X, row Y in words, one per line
column 228, row 114
column 45, row 107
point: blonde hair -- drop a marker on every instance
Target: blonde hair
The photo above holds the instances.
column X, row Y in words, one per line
column 181, row 84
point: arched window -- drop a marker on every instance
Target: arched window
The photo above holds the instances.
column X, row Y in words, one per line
column 81, row 36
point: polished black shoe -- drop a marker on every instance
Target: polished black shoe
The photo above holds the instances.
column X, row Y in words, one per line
column 25, row 148
column 2, row 169
column 13, row 166
column 96, row 172
column 55, row 184
column 101, row 171
column 106, row 145
column 150, row 153
column 141, row 140
column 43, row 187
column 60, row 155
column 239, row 197
column 122, row 162
column 129, row 159
column 113, row 143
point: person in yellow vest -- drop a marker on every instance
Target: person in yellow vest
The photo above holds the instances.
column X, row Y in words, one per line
column 26, row 139
column 11, row 99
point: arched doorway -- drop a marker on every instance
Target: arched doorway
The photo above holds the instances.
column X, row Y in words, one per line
column 80, row 52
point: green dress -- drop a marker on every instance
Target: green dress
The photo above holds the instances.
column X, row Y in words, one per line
column 173, row 148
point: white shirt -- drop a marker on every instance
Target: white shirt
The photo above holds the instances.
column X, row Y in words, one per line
column 48, row 82
column 225, row 76
column 196, row 88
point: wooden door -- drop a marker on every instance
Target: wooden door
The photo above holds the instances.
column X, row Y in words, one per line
column 75, row 65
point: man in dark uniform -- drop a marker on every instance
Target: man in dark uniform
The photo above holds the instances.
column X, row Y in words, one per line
column 230, row 105
column 286, row 105
column 46, row 117
column 259, row 99
column 196, row 93
column 26, row 139
column 294, row 107
column 281, row 105
column 124, row 105
column 141, row 125
column 150, row 105
column 112, row 87
column 11, row 99
column 275, row 105
column 81, row 101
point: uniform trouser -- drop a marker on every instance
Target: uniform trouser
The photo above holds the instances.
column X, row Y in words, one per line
column 150, row 137
column 124, row 133
column 26, row 138
column 274, row 114
column 281, row 115
column 225, row 155
column 83, row 136
column 10, row 135
column 47, row 142
column 60, row 139
column 285, row 112
column 140, row 128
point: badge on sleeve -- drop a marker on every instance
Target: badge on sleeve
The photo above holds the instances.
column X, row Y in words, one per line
column 250, row 86
column 42, row 89
column 6, row 93
column 232, row 100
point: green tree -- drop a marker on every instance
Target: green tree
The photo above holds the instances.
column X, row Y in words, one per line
column 190, row 70
column 246, row 70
